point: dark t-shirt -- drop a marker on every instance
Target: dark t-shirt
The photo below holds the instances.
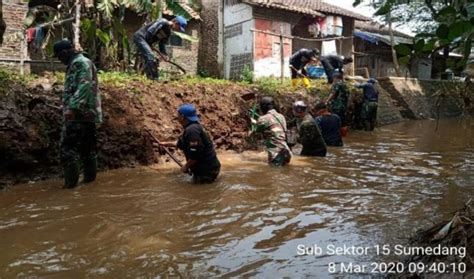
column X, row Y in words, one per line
column 151, row 30
column 300, row 58
column 197, row 145
column 371, row 93
column 330, row 126
column 331, row 63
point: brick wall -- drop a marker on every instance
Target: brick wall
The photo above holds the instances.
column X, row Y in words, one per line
column 209, row 42
column 13, row 13
column 186, row 55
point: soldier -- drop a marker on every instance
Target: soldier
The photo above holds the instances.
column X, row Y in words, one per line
column 158, row 31
column 298, row 63
column 273, row 126
column 81, row 111
column 308, row 131
column 370, row 100
column 201, row 158
column 329, row 125
column 338, row 98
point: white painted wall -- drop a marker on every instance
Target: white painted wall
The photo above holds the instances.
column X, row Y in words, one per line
column 270, row 66
column 237, row 13
column 240, row 13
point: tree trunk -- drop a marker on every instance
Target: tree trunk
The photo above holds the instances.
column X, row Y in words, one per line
column 392, row 42
column 77, row 25
column 120, row 46
column 3, row 25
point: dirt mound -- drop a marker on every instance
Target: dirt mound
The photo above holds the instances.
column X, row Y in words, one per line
column 30, row 139
column 456, row 234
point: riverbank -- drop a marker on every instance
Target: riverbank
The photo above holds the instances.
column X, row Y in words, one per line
column 131, row 104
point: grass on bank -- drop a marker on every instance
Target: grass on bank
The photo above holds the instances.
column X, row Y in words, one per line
column 265, row 86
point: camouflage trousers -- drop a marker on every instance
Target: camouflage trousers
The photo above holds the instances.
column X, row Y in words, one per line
column 283, row 157
column 78, row 144
column 368, row 115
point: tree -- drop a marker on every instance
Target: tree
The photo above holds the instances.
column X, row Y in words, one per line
column 3, row 25
column 453, row 22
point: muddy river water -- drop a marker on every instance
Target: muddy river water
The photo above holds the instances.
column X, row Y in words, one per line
column 255, row 221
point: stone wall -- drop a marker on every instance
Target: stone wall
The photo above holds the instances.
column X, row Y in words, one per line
column 422, row 99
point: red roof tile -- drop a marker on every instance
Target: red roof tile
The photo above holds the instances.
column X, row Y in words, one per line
column 307, row 7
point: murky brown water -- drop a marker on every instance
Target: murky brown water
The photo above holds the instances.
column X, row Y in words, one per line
column 149, row 222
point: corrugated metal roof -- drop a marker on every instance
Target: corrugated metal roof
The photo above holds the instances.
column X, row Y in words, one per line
column 375, row 27
column 375, row 38
column 311, row 7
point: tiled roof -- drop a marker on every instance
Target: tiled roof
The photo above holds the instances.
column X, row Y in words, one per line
column 283, row 5
column 187, row 8
column 303, row 6
column 378, row 28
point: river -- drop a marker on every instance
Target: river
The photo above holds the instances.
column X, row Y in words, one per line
column 376, row 190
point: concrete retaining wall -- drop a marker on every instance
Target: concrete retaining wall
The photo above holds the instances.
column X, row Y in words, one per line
column 421, row 99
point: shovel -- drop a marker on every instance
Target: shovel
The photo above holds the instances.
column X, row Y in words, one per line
column 35, row 101
column 176, row 160
column 169, row 61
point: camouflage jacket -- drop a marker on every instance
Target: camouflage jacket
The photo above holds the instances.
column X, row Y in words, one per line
column 273, row 127
column 339, row 103
column 81, row 90
column 309, row 135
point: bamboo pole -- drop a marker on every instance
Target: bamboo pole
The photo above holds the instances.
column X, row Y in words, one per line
column 23, row 50
column 282, row 56
column 77, row 24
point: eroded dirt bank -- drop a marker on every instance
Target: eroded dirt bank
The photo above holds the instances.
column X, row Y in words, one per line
column 30, row 139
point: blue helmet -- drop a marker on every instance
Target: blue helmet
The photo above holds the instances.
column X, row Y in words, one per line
column 189, row 112
column 182, row 22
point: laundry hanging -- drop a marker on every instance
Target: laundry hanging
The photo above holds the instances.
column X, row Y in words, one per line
column 39, row 36
column 30, row 34
column 329, row 48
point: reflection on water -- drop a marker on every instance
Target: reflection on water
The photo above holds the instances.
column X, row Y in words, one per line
column 378, row 189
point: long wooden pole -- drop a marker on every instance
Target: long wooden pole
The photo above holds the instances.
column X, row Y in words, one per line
column 166, row 150
column 77, row 24
column 282, row 56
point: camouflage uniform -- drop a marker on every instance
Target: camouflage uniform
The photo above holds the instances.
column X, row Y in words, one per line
column 338, row 105
column 310, row 137
column 78, row 137
column 273, row 127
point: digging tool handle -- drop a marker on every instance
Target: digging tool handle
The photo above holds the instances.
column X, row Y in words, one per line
column 166, row 150
column 298, row 72
column 171, row 62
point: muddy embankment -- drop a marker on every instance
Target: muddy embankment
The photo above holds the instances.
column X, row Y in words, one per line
column 29, row 146
column 30, row 139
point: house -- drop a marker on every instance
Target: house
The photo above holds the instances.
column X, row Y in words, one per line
column 15, row 49
column 250, row 34
column 373, row 54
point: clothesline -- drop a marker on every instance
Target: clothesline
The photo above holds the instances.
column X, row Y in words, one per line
column 301, row 38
